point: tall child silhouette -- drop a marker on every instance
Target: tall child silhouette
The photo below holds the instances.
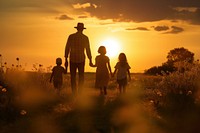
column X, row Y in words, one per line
column 102, row 62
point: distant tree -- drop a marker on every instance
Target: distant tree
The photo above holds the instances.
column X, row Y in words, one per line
column 152, row 71
column 160, row 70
column 174, row 56
column 180, row 54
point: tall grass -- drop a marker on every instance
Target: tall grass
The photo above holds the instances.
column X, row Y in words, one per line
column 152, row 104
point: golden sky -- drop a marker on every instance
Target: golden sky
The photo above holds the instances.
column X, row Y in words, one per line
column 36, row 31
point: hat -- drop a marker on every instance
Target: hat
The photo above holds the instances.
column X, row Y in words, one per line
column 80, row 26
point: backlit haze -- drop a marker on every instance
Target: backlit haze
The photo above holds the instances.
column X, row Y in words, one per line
column 36, row 31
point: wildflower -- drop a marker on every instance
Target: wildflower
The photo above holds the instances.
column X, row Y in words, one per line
column 189, row 93
column 23, row 112
column 159, row 93
column 151, row 101
column 4, row 90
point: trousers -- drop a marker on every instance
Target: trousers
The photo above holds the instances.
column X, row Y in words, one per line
column 73, row 69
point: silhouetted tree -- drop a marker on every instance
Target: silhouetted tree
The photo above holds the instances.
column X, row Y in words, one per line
column 174, row 56
column 180, row 54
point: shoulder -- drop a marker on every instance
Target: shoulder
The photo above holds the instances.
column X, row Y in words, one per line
column 107, row 58
column 117, row 65
column 53, row 69
column 97, row 57
column 72, row 35
column 61, row 67
column 85, row 37
column 127, row 65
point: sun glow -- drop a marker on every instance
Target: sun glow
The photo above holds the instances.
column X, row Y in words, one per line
column 112, row 47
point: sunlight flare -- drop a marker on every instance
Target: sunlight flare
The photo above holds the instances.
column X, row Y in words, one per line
column 112, row 47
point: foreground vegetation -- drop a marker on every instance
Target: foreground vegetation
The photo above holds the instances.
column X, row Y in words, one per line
column 152, row 104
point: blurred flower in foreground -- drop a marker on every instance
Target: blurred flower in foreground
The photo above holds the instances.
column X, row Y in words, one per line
column 4, row 90
column 23, row 112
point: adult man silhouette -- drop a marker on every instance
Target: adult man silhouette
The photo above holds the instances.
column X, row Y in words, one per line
column 75, row 48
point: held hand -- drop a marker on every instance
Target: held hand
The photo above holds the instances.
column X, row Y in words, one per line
column 91, row 64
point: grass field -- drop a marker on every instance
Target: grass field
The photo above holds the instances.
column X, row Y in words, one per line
column 29, row 104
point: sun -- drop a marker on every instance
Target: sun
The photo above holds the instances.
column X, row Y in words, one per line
column 112, row 47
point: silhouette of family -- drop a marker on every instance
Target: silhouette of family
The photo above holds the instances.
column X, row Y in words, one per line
column 76, row 46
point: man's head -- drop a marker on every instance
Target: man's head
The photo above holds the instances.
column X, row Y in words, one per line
column 80, row 27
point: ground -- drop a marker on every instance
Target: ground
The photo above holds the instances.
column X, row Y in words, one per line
column 35, row 107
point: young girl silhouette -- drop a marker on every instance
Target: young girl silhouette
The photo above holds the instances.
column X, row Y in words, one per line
column 102, row 62
column 122, row 69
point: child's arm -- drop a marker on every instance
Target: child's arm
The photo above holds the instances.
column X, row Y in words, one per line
column 109, row 68
column 114, row 72
column 129, row 74
column 51, row 77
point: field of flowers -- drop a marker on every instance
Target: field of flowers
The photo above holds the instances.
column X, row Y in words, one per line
column 152, row 104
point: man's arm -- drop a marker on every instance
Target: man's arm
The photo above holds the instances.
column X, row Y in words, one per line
column 67, row 49
column 88, row 51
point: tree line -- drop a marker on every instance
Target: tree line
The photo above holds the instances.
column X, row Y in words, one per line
column 174, row 56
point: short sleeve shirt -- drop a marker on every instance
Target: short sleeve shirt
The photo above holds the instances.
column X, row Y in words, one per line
column 76, row 45
column 58, row 71
column 122, row 70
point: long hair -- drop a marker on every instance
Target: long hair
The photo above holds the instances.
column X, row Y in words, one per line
column 122, row 59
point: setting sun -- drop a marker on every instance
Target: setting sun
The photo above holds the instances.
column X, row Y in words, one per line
column 112, row 47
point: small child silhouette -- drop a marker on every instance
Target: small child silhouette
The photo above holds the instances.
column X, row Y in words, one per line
column 102, row 62
column 122, row 68
column 57, row 75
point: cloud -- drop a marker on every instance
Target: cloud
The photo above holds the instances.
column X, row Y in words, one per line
column 143, row 10
column 117, row 10
column 64, row 17
column 106, row 23
column 78, row 6
column 83, row 16
column 175, row 30
column 30, row 6
column 161, row 28
column 139, row 28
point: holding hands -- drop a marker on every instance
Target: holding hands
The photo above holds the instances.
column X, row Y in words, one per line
column 66, row 63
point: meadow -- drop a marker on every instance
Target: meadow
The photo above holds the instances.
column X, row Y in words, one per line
column 152, row 104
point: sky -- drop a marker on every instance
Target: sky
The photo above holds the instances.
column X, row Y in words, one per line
column 36, row 31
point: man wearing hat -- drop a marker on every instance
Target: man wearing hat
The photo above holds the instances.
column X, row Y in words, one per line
column 75, row 48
